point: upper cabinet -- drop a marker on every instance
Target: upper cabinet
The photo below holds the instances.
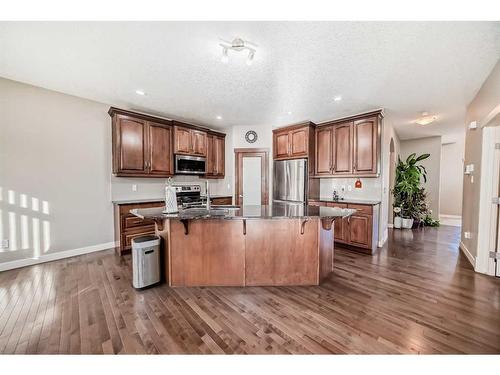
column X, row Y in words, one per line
column 349, row 147
column 144, row 145
column 293, row 142
column 215, row 156
column 141, row 147
column 188, row 141
column 366, row 141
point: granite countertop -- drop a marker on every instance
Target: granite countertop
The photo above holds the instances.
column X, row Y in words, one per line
column 275, row 211
column 348, row 200
column 146, row 200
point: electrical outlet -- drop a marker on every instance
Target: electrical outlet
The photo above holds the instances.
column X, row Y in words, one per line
column 134, row 187
column 4, row 244
column 468, row 235
column 349, row 188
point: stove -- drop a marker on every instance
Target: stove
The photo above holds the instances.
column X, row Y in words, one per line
column 188, row 195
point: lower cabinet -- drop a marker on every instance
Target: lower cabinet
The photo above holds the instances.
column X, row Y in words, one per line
column 360, row 230
column 222, row 200
column 128, row 226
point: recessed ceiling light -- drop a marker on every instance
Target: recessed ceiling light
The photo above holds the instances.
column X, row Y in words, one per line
column 219, row 117
column 337, row 98
column 289, row 112
column 140, row 92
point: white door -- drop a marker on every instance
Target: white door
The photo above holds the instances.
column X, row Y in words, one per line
column 252, row 180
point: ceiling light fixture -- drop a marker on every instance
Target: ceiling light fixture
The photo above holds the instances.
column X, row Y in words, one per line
column 238, row 45
column 337, row 98
column 426, row 119
column 289, row 112
column 140, row 92
column 219, row 117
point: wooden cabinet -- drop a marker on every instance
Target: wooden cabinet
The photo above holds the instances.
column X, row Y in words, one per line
column 342, row 149
column 189, row 141
column 215, row 156
column 128, row 226
column 222, row 200
column 294, row 142
column 141, row 147
column 360, row 230
column 324, row 151
column 349, row 147
column 366, row 140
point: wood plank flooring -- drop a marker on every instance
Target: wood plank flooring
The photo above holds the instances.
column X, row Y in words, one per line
column 418, row 294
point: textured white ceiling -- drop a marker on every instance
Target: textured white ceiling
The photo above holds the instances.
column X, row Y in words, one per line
column 404, row 67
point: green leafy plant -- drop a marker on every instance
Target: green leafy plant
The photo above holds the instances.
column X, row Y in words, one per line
column 408, row 193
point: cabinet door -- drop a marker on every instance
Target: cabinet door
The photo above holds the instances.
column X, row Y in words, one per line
column 220, row 156
column 130, row 137
column 281, row 145
column 342, row 149
column 324, row 151
column 182, row 140
column 199, row 142
column 340, row 225
column 299, row 140
column 360, row 231
column 365, row 146
column 160, row 150
column 211, row 155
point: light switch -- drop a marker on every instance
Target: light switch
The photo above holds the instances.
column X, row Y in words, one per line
column 468, row 235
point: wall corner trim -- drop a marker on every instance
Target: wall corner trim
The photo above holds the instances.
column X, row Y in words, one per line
column 55, row 256
column 467, row 253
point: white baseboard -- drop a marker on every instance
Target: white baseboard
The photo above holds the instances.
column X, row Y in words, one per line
column 55, row 256
column 390, row 225
column 453, row 220
column 467, row 253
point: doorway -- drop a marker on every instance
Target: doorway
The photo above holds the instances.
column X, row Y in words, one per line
column 251, row 174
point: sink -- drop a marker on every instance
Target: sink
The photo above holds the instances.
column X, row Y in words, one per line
column 224, row 207
column 202, row 211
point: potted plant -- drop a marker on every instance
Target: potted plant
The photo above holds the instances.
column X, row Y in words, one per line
column 397, row 218
column 408, row 194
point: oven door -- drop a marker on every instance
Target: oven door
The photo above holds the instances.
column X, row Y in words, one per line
column 190, row 164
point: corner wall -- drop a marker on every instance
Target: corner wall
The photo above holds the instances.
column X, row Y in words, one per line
column 484, row 106
column 55, row 168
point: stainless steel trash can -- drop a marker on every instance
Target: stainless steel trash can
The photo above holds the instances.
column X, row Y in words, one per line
column 145, row 261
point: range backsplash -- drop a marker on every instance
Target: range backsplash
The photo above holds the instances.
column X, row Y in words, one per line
column 151, row 188
column 371, row 188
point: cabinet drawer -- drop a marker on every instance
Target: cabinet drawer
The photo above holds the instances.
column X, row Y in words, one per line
column 224, row 200
column 315, row 203
column 128, row 236
column 361, row 208
column 336, row 204
column 132, row 221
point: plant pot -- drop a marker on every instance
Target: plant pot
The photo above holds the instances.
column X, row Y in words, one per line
column 416, row 224
column 397, row 222
column 407, row 223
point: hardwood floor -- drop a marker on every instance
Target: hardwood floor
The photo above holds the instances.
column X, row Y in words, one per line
column 418, row 294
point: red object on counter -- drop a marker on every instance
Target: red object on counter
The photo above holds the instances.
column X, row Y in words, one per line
column 358, row 184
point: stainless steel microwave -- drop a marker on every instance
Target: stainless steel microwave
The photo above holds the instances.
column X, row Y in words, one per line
column 185, row 164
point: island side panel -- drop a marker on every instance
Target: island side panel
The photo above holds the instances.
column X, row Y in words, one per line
column 212, row 253
column 326, row 249
column 278, row 254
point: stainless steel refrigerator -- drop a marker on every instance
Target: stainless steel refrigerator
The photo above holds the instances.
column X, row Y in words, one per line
column 290, row 181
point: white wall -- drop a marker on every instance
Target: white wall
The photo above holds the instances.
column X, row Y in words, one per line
column 432, row 146
column 452, row 167
column 55, row 168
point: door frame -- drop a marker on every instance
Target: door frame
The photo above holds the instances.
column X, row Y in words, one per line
column 263, row 153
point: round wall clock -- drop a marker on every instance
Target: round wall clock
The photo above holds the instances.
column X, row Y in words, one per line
column 251, row 136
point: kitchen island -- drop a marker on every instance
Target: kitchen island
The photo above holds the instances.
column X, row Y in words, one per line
column 279, row 244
